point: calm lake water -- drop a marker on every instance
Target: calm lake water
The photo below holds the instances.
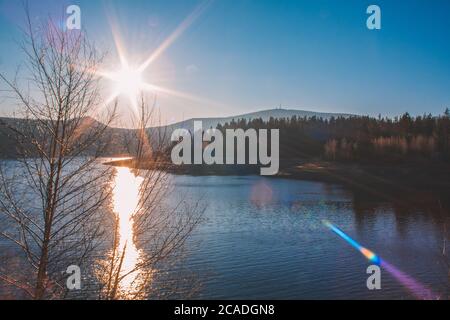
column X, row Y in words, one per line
column 263, row 238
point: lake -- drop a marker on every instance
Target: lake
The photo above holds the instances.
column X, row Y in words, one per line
column 263, row 238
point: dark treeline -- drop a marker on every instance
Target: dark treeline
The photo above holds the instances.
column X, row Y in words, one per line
column 12, row 144
column 359, row 138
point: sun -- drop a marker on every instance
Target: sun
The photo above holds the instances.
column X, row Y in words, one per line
column 129, row 82
column 126, row 81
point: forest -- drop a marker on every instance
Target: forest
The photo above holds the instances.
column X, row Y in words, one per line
column 363, row 139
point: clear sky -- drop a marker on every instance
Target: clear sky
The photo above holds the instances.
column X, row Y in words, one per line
column 239, row 56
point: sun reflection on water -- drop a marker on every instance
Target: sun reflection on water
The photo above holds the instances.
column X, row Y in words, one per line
column 125, row 203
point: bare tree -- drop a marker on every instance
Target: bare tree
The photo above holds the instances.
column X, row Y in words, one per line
column 54, row 198
column 160, row 229
column 147, row 142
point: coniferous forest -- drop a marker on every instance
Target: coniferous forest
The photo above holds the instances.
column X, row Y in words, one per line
column 361, row 139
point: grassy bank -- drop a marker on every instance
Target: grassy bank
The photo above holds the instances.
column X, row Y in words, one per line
column 398, row 178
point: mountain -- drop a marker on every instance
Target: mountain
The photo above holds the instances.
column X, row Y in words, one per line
column 116, row 137
column 119, row 138
column 265, row 115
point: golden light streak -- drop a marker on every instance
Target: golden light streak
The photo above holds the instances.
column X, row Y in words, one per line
column 118, row 42
column 179, row 94
column 178, row 32
column 129, row 80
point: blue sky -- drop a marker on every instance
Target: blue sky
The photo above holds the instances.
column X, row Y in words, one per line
column 246, row 55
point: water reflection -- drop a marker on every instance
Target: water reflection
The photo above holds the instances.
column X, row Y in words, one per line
column 286, row 253
column 125, row 201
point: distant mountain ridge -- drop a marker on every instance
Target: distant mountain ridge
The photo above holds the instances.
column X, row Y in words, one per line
column 265, row 115
column 117, row 135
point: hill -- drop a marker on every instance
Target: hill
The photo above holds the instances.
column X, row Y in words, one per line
column 265, row 115
column 119, row 137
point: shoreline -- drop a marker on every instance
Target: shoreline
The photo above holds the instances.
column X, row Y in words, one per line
column 400, row 178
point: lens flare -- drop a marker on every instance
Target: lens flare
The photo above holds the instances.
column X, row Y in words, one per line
column 129, row 79
column 416, row 288
column 371, row 256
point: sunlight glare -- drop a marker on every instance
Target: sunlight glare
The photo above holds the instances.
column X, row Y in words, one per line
column 126, row 200
column 128, row 82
